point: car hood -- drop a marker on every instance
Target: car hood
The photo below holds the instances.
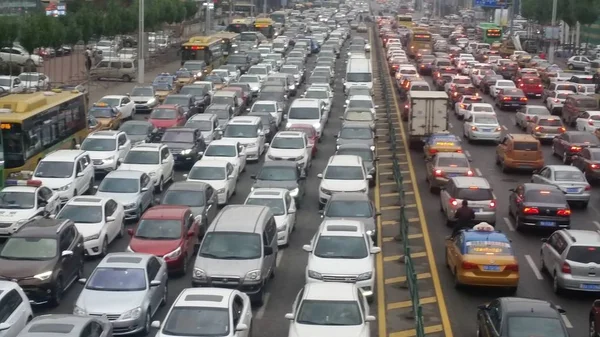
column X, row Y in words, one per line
column 221, row 267
column 343, row 185
column 369, row 142
column 88, row 229
column 101, row 154
column 206, row 134
column 139, row 167
column 285, row 153
column 12, row 215
column 17, row 269
column 368, row 222
column 141, row 98
column 109, row 302
column 290, row 185
column 154, row 247
column 179, row 146
column 340, row 266
column 303, row 330
column 123, row 198
column 55, row 183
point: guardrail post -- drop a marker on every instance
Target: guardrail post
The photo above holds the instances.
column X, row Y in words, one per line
column 419, row 326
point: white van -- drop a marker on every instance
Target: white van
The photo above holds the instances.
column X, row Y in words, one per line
column 359, row 73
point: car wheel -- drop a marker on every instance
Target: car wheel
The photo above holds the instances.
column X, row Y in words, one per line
column 104, row 249
column 593, row 332
column 542, row 264
column 161, row 185
column 165, row 297
column 184, row 268
column 147, row 323
column 58, row 292
column 555, row 286
column 570, row 66
column 122, row 229
column 565, row 158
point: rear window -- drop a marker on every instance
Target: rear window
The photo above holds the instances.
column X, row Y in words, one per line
column 532, row 80
column 584, row 138
column 466, row 90
column 419, row 88
column 462, row 81
column 488, row 248
column 550, row 122
column 513, row 92
column 474, row 194
column 525, row 146
column 545, row 196
column 583, row 80
column 452, row 162
column 587, row 103
column 443, row 63
column 584, row 254
column 569, row 87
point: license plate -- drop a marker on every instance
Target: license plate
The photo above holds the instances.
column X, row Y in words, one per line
column 572, row 190
column 590, row 286
column 524, row 166
column 452, row 174
column 491, row 268
column 547, row 223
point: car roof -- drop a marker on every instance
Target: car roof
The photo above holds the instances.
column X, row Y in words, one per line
column 310, row 102
column 87, row 201
column 342, row 227
column 327, row 291
column 466, row 182
column 147, row 147
column 211, row 163
column 204, row 297
column 582, row 237
column 563, row 168
column 267, row 193
column 349, row 196
column 202, row 117
column 279, row 163
column 63, row 155
column 41, row 227
column 125, row 260
column 354, row 146
column 345, row 160
column 56, row 325
column 290, row 134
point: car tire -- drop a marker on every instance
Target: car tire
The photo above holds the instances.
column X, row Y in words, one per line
column 122, row 229
column 570, row 66
column 147, row 323
column 104, row 249
column 165, row 297
column 457, row 284
column 161, row 185
column 542, row 264
column 555, row 286
column 58, row 291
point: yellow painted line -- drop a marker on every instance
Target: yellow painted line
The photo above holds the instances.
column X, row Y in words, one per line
column 410, row 236
column 391, row 208
column 413, row 332
column 393, row 258
column 387, row 173
column 446, row 327
column 399, row 279
column 389, row 195
column 389, row 222
column 407, row 304
column 389, row 183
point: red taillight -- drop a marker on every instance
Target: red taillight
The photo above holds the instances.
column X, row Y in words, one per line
column 503, row 68
column 512, row 267
column 539, row 85
column 458, row 151
column 422, row 66
column 524, row 99
column 556, row 101
column 469, row 265
column 594, row 166
column 405, row 106
column 433, row 151
column 563, row 212
column 565, row 268
column 455, row 94
column 591, row 122
column 575, row 148
column 539, row 128
column 506, row 98
column 462, row 106
column 438, row 173
column 470, row 173
column 531, row 210
column 474, row 128
column 588, row 187
column 453, row 202
column 493, row 204
column 521, row 85
column 561, row 130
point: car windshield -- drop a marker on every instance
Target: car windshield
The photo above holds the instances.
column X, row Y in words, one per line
column 241, row 131
column 177, row 136
column 483, row 108
column 362, row 116
column 341, row 247
column 159, row 113
column 304, row 113
column 81, row 214
column 142, row 92
column 533, row 110
column 249, row 79
column 562, row 95
column 344, row 173
column 29, row 248
column 220, row 151
column 195, row 321
column 102, row 112
column 583, row 137
column 117, row 279
column 133, row 129
column 229, row 100
column 29, row 77
column 183, row 197
column 527, row 326
column 119, row 185
column 99, row 144
column 231, row 246
column 569, row 175
column 549, row 122
column 474, row 194
column 202, row 125
column 207, row 173
column 16, row 200
column 110, row 101
column 336, row 313
column 275, row 204
column 485, row 120
column 356, row 133
column 141, row 158
column 54, row 169
column 287, row 143
column 349, row 208
column 160, row 229
column 259, row 107
column 278, row 174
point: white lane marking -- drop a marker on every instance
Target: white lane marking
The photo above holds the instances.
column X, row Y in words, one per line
column 450, row 126
column 504, row 128
column 478, row 171
column 597, row 224
column 279, row 257
column 509, row 224
column 468, row 154
column 261, row 312
column 513, row 120
column 566, row 320
column 533, row 266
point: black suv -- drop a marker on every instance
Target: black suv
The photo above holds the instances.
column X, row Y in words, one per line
column 188, row 102
column 45, row 257
column 185, row 143
column 240, row 60
column 200, row 94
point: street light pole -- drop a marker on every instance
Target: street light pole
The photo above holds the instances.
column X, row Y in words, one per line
column 141, row 43
column 265, row 7
column 551, row 48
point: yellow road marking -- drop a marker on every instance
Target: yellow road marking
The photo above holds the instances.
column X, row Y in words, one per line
column 413, row 332
column 391, row 163
column 393, row 258
column 446, row 327
column 410, row 236
column 399, row 279
column 406, row 304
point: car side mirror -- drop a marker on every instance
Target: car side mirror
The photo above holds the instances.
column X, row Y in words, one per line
column 82, row 280
column 155, row 283
column 110, row 219
column 79, row 174
column 268, row 250
column 289, row 316
column 307, row 248
column 241, row 327
column 155, row 324
column 535, row 172
column 66, row 253
column 130, row 231
column 482, row 307
column 320, row 175
column 370, row 318
column 253, row 176
column 375, row 250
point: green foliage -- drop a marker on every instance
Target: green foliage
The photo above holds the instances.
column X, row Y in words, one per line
column 191, row 8
column 58, row 34
column 72, row 33
column 29, row 37
column 583, row 11
column 539, row 11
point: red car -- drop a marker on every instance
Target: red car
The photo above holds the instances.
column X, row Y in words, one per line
column 531, row 85
column 167, row 231
column 167, row 115
column 311, row 133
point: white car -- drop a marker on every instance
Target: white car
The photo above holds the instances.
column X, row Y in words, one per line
column 362, row 102
column 68, row 172
column 343, row 173
column 272, row 107
column 154, row 159
column 22, row 200
column 123, row 103
column 220, row 174
column 588, row 121
column 106, row 148
column 291, row 145
column 501, row 84
column 16, row 309
column 556, row 100
column 457, row 80
column 482, row 126
column 230, row 150
column 248, row 131
column 342, row 307
column 465, row 101
column 322, row 93
column 477, row 107
column 253, row 81
column 477, row 75
column 342, row 250
column 99, row 220
column 223, row 73
column 307, row 111
column 198, row 311
column 262, row 71
column 11, row 84
column 34, row 81
column 283, row 207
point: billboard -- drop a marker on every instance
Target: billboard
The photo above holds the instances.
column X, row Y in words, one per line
column 491, row 3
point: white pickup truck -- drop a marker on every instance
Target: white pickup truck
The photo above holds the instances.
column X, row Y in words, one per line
column 428, row 115
column 21, row 56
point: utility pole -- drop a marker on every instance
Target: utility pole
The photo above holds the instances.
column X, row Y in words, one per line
column 512, row 18
column 207, row 17
column 141, row 43
column 551, row 49
column 265, row 7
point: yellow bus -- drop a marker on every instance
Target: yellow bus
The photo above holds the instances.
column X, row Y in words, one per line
column 240, row 25
column 36, row 124
column 404, row 20
column 265, row 26
column 419, row 38
column 230, row 41
column 204, row 48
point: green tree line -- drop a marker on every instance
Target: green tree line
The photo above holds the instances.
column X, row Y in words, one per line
column 90, row 20
column 585, row 12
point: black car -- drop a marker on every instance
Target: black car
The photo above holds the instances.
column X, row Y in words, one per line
column 281, row 174
column 186, row 144
column 514, row 316
column 223, row 112
column 44, row 257
column 199, row 92
column 570, row 143
column 139, row 131
column 539, row 205
column 240, row 60
column 269, row 124
column 200, row 197
column 188, row 102
column 275, row 93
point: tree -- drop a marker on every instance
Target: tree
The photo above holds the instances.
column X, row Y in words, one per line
column 191, row 8
column 587, row 11
column 45, row 25
column 82, row 19
column 29, row 37
column 539, row 11
column 72, row 33
column 97, row 22
column 12, row 30
column 58, row 33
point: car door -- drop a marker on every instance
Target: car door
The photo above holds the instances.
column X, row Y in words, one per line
column 501, row 148
column 559, row 143
column 70, row 262
column 155, row 271
column 210, row 212
column 190, row 241
column 147, row 189
column 290, row 204
column 581, row 121
column 124, row 145
column 113, row 226
column 13, row 312
column 542, row 177
column 553, row 249
column 166, row 162
column 241, row 153
column 81, row 179
column 231, row 177
column 490, row 320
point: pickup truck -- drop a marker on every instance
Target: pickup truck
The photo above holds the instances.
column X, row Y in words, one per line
column 20, row 56
column 428, row 115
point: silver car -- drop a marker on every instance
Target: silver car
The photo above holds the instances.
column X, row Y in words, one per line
column 525, row 115
column 56, row 324
column 356, row 133
column 133, row 189
column 355, row 206
column 359, row 116
column 476, row 190
column 128, row 288
column 569, row 179
column 571, row 258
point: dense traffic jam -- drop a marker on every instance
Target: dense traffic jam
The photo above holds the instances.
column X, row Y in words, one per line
column 272, row 108
column 443, row 65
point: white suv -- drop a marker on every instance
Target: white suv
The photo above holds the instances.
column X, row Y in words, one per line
column 344, row 173
column 153, row 159
column 106, row 148
column 342, row 251
column 291, row 145
column 248, row 130
column 16, row 309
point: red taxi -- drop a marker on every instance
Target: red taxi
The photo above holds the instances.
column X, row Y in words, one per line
column 531, row 85
column 167, row 116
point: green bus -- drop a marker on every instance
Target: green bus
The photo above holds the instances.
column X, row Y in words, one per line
column 490, row 32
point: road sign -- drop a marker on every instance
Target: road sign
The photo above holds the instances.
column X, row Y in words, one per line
column 491, row 3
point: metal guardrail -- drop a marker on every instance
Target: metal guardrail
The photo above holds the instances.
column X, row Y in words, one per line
column 411, row 282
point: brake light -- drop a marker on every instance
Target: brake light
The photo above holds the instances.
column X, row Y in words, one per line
column 470, row 173
column 531, row 210
column 503, row 68
column 556, row 101
column 539, row 85
column 512, row 267
column 469, row 265
column 474, row 128
column 594, row 166
column 455, row 94
column 588, row 187
column 493, row 204
column 422, row 66
column 565, row 268
column 499, row 128
column 506, row 98
column 561, row 130
column 524, row 99
column 453, row 202
column 539, row 128
column 438, row 173
column 563, row 212
column 458, row 151
column 405, row 106
column 462, row 106
column 521, row 85
column 591, row 122
column 575, row 148
column 433, row 151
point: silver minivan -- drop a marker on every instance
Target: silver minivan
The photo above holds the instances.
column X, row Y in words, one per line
column 115, row 69
column 239, row 251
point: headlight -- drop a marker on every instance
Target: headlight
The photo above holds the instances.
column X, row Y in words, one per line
column 173, row 255
column 199, row 274
column 315, row 275
column 186, row 151
column 109, row 159
column 253, row 275
column 130, row 206
column 129, row 249
column 364, row 276
column 92, row 237
column 152, row 174
column 134, row 313
column 221, row 190
column 372, row 148
column 43, row 276
column 326, row 191
column 282, row 228
column 299, row 158
column 64, row 188
column 77, row 311
column 151, row 101
column 292, row 87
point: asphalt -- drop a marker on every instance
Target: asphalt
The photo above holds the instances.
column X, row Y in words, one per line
column 269, row 319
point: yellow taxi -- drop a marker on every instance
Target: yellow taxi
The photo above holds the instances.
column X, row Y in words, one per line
column 441, row 142
column 183, row 77
column 108, row 117
column 484, row 257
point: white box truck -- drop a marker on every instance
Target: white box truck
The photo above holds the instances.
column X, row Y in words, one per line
column 428, row 115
